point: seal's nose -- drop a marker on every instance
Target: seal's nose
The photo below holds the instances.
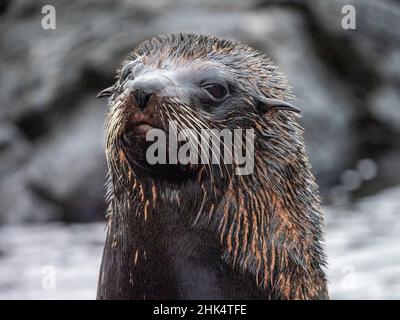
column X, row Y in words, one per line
column 145, row 86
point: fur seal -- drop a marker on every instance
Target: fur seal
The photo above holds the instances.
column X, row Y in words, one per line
column 182, row 231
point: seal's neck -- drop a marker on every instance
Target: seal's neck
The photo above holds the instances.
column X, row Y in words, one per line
column 159, row 251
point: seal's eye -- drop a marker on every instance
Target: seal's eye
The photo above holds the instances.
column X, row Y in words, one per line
column 129, row 69
column 126, row 72
column 216, row 90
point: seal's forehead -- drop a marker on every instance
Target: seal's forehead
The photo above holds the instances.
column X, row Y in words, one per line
column 191, row 47
column 180, row 43
column 234, row 59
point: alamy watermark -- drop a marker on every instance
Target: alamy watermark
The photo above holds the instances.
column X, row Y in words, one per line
column 49, row 18
column 48, row 21
column 349, row 19
column 49, row 277
column 207, row 146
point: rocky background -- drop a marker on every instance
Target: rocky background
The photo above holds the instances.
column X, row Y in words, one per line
column 52, row 165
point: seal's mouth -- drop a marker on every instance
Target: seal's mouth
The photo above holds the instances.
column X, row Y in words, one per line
column 143, row 122
column 135, row 145
column 142, row 128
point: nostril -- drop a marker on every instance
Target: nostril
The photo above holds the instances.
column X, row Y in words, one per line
column 142, row 98
column 146, row 100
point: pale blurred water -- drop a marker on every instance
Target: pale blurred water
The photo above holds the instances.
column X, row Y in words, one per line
column 363, row 246
column 73, row 250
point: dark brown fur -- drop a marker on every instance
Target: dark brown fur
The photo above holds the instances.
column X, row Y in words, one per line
column 256, row 236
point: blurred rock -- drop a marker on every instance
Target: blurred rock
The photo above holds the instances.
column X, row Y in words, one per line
column 382, row 102
column 52, row 167
column 366, row 61
column 65, row 174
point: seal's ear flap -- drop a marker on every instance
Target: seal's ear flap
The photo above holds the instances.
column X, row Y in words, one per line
column 106, row 92
column 267, row 104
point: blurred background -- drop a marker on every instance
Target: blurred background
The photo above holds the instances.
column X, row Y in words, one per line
column 52, row 168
